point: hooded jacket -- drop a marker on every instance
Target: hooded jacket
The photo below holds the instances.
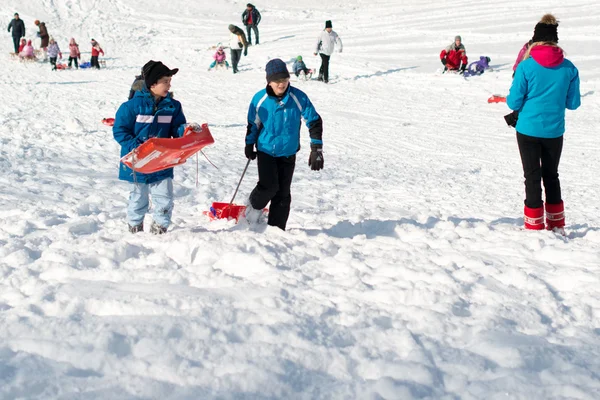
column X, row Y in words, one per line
column 96, row 49
column 220, row 57
column 44, row 35
column 142, row 118
column 544, row 86
column 27, row 50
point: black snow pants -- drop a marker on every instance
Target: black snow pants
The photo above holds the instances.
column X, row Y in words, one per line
column 274, row 182
column 16, row 43
column 73, row 59
column 540, row 158
column 94, row 62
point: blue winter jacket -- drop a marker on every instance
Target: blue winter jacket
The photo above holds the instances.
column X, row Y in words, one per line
column 140, row 119
column 274, row 123
column 544, row 86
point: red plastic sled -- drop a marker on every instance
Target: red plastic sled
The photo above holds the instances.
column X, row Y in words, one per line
column 108, row 121
column 61, row 66
column 226, row 211
column 496, row 98
column 157, row 154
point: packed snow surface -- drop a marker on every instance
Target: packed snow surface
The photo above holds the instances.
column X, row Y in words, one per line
column 404, row 274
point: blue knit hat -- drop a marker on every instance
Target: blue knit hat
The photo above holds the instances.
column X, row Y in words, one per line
column 276, row 69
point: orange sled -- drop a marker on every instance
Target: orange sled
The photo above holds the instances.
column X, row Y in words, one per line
column 157, row 154
column 496, row 98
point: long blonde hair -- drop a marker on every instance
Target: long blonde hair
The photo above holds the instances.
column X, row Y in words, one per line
column 532, row 45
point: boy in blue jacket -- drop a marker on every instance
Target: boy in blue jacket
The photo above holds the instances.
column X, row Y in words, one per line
column 274, row 120
column 152, row 112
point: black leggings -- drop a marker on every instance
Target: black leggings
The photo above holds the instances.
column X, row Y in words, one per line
column 324, row 70
column 53, row 62
column 94, row 62
column 540, row 158
column 73, row 59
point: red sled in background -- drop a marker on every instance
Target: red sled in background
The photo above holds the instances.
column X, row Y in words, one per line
column 157, row 154
column 108, row 121
column 496, row 98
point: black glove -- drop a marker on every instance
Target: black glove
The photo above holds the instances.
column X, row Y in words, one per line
column 245, row 51
column 250, row 153
column 463, row 68
column 512, row 118
column 444, row 61
column 315, row 160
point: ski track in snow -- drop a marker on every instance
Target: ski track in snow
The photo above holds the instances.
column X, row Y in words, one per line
column 404, row 273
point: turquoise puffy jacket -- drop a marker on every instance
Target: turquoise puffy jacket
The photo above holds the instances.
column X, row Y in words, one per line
column 274, row 124
column 544, row 86
column 140, row 119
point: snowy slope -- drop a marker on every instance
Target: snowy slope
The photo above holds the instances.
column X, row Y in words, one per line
column 404, row 273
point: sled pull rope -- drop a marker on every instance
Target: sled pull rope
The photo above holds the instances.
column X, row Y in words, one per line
column 210, row 162
column 239, row 183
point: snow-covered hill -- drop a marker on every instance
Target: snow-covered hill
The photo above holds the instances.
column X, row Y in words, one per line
column 404, row 272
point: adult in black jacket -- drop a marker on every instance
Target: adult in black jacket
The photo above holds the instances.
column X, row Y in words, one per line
column 18, row 30
column 251, row 18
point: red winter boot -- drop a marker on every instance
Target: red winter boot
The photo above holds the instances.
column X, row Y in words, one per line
column 534, row 218
column 555, row 216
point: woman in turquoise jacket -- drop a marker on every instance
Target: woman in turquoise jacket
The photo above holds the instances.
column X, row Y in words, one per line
column 545, row 84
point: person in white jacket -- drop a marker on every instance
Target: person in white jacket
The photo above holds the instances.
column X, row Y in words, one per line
column 325, row 46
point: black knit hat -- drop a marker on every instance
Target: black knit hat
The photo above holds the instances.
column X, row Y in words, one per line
column 328, row 24
column 154, row 70
column 276, row 69
column 546, row 30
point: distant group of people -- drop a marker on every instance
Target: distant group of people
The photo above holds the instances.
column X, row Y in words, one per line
column 240, row 41
column 24, row 48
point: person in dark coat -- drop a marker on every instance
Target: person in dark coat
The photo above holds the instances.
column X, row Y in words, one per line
column 43, row 34
column 251, row 18
column 18, row 31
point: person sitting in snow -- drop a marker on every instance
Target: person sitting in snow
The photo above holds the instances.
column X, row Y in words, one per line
column 300, row 68
column 96, row 51
column 54, row 53
column 74, row 53
column 454, row 57
column 151, row 113
column 27, row 53
column 478, row 67
column 22, row 45
column 274, row 119
column 219, row 59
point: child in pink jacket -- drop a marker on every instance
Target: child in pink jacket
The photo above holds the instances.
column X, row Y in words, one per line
column 27, row 53
column 74, row 53
column 220, row 59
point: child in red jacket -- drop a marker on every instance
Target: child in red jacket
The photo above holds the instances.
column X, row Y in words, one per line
column 96, row 51
column 453, row 55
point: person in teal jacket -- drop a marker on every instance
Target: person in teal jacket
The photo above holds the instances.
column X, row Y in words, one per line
column 274, row 121
column 152, row 112
column 545, row 84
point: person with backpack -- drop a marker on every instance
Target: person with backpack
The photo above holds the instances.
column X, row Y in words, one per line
column 18, row 31
column 545, row 84
column 454, row 57
column 251, row 18
column 273, row 136
column 237, row 42
column 151, row 113
column 325, row 46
